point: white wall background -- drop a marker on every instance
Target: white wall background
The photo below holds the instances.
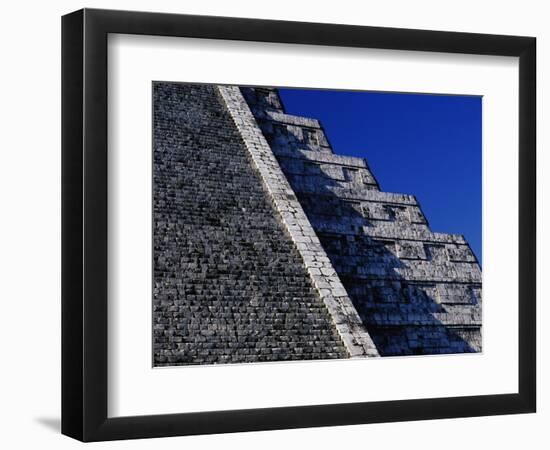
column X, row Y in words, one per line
column 30, row 223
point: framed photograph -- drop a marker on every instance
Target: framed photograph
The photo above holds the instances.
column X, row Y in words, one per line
column 273, row 224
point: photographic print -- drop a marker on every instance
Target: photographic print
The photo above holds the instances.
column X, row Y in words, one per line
column 271, row 225
column 308, row 224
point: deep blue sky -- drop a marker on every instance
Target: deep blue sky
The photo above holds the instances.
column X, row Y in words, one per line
column 425, row 145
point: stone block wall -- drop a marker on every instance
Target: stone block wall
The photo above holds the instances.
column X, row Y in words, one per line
column 343, row 314
column 417, row 292
column 229, row 282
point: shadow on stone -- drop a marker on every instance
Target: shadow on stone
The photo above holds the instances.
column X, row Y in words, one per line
column 399, row 315
column 402, row 316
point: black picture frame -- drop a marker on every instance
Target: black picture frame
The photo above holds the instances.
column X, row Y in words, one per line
column 84, row 224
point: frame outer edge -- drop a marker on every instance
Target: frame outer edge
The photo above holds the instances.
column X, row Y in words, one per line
column 72, row 371
column 528, row 224
column 95, row 227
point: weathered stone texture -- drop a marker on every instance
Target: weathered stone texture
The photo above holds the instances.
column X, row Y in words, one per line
column 418, row 292
column 342, row 312
column 229, row 282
